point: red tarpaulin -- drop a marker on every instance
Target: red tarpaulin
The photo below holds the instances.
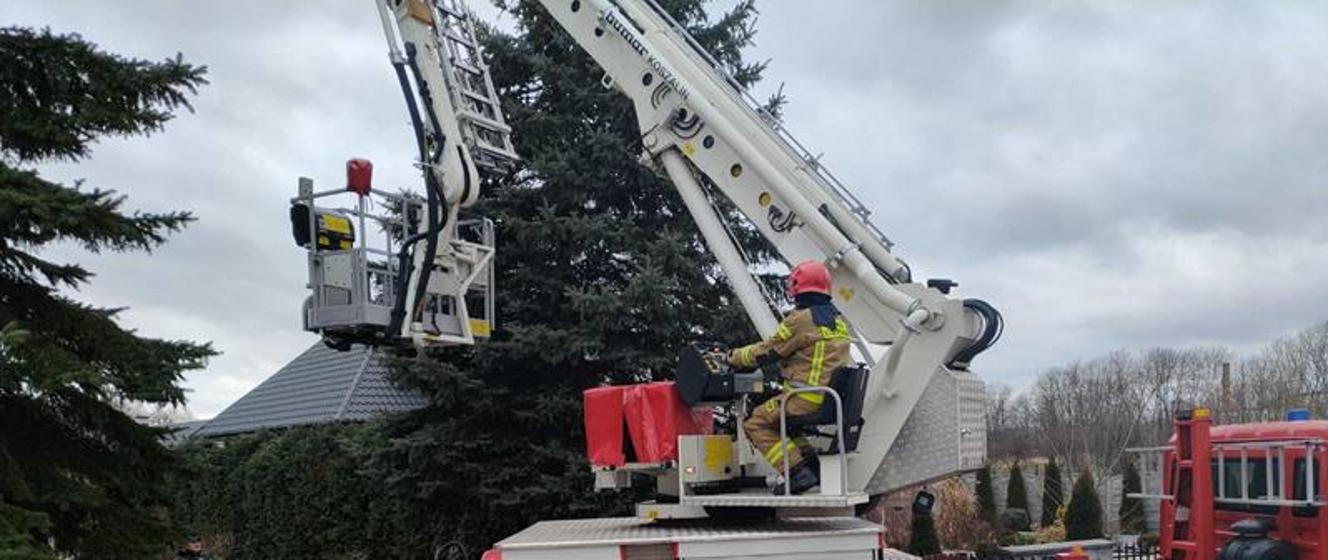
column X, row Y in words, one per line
column 655, row 418
column 604, row 426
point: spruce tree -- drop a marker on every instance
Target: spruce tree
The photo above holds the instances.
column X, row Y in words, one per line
column 1051, row 493
column 986, row 495
column 923, row 540
column 602, row 275
column 1083, row 517
column 1131, row 509
column 1016, row 497
column 74, row 471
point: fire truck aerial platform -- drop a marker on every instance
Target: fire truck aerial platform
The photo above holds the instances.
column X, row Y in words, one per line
column 912, row 411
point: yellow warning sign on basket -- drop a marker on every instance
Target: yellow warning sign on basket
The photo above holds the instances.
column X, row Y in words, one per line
column 718, row 452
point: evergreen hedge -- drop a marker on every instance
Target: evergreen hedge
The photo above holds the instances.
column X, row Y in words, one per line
column 302, row 493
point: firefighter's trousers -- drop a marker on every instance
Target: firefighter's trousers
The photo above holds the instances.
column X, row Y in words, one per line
column 763, row 430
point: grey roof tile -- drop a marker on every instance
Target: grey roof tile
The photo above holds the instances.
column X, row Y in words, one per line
column 182, row 431
column 319, row 386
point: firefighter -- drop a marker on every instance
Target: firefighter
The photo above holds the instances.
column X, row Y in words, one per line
column 811, row 343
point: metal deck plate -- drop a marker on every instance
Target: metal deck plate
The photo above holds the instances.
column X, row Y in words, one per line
column 631, row 530
column 763, row 498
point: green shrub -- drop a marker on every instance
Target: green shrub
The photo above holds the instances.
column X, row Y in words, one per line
column 1083, row 518
column 986, row 498
column 924, row 540
column 1131, row 509
column 1016, row 498
column 1052, row 493
column 1014, row 520
column 1018, row 538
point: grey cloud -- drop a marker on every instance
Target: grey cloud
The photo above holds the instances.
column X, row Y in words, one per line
column 1198, row 116
column 1117, row 174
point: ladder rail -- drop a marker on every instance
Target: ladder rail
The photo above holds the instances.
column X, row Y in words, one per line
column 1275, row 487
column 470, row 85
column 1151, row 475
column 1275, row 453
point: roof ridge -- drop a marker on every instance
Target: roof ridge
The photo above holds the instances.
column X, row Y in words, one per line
column 355, row 382
column 208, row 422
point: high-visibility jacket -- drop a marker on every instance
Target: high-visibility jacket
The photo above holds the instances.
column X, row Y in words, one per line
column 812, row 344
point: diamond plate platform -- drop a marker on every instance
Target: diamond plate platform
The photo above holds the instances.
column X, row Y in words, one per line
column 763, row 498
column 630, row 530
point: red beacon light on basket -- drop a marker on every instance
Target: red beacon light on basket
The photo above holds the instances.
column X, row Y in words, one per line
column 359, row 176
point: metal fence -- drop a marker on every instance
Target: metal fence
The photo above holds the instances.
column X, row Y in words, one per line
column 1134, row 551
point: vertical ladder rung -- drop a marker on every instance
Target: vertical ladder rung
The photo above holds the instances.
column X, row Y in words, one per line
column 479, row 97
column 449, row 12
column 500, row 155
column 463, row 65
column 449, row 9
column 485, row 122
column 458, row 39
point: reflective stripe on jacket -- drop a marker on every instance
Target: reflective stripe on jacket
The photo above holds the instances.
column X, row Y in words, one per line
column 809, row 353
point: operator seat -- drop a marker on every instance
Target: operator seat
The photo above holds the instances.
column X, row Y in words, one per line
column 851, row 384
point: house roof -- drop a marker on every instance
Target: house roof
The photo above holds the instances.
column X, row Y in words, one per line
column 319, row 386
column 181, row 432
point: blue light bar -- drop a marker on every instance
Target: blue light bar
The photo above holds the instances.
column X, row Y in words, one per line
column 1298, row 415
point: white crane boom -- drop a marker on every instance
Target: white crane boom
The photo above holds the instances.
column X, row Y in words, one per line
column 696, row 121
column 922, row 410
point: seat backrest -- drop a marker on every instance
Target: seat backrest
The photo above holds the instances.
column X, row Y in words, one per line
column 851, row 384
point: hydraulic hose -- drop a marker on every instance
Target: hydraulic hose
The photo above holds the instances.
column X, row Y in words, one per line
column 437, row 218
column 405, row 265
column 993, row 328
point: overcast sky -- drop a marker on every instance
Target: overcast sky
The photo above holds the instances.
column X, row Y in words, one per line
column 1113, row 175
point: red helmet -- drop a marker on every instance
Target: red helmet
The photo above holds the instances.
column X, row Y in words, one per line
column 809, row 276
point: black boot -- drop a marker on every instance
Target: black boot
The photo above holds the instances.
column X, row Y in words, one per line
column 801, row 479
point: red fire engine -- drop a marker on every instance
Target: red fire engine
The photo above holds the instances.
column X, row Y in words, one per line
column 1242, row 491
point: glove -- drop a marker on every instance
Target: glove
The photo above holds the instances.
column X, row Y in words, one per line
column 715, row 361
